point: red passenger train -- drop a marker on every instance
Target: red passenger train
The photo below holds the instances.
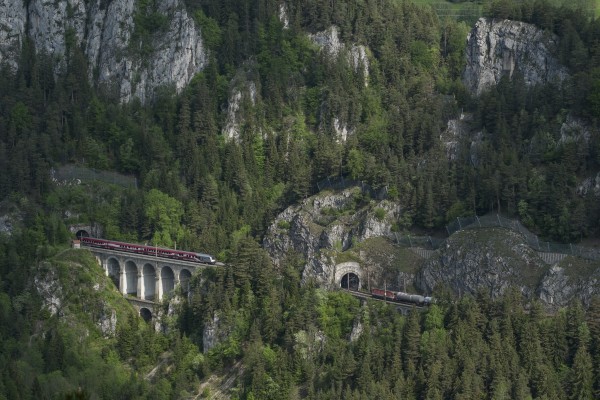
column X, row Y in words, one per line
column 149, row 250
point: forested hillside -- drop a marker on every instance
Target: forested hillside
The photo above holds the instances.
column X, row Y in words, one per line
column 301, row 342
column 295, row 100
column 293, row 93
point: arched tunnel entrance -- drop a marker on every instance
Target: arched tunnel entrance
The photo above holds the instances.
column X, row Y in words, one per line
column 82, row 233
column 146, row 314
column 350, row 281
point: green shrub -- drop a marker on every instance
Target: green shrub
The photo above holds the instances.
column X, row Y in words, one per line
column 284, row 225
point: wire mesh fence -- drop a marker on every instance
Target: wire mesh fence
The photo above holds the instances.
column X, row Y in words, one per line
column 74, row 175
column 497, row 221
column 341, row 182
column 473, row 222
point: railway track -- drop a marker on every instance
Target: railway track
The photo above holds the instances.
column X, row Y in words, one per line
column 404, row 305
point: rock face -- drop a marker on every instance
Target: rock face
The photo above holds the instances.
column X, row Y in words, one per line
column 358, row 59
column 64, row 300
column 243, row 95
column 327, row 222
column 497, row 48
column 48, row 286
column 590, row 184
column 495, row 259
column 105, row 29
column 213, row 334
column 558, row 287
column 7, row 224
column 13, row 17
column 575, row 129
column 456, row 130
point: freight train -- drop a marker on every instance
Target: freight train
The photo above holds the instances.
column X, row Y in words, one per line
column 149, row 250
column 401, row 297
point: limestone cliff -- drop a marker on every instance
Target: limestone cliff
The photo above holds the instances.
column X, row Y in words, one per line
column 324, row 226
column 491, row 259
column 497, row 48
column 106, row 31
column 494, row 259
column 243, row 96
column 333, row 229
column 357, row 57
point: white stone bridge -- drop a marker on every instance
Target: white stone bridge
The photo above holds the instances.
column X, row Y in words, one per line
column 144, row 279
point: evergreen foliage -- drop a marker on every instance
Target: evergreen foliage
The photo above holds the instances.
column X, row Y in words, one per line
column 204, row 192
column 288, row 139
column 463, row 349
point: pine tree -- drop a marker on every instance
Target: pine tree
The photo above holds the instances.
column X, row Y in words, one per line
column 411, row 338
column 593, row 321
column 582, row 378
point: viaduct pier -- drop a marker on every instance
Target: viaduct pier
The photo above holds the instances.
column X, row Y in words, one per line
column 144, row 279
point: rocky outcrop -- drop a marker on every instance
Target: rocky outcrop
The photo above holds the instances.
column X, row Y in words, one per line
column 105, row 30
column 243, row 95
column 492, row 260
column 358, row 59
column 575, row 130
column 590, row 184
column 283, row 16
column 327, row 223
column 330, row 229
column 212, row 334
column 70, row 290
column 559, row 287
column 457, row 129
column 50, row 290
column 497, row 48
column 13, row 17
column 357, row 56
column 6, row 226
column 342, row 131
column 107, row 322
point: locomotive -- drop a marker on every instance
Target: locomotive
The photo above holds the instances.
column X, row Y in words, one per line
column 401, row 297
column 149, row 250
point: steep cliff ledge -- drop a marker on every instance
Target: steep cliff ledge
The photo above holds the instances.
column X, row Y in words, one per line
column 494, row 259
column 497, row 48
column 328, row 229
column 333, row 229
column 123, row 54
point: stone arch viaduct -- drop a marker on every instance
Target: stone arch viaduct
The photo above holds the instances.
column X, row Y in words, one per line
column 143, row 279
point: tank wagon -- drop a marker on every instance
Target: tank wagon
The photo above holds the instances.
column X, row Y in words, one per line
column 401, row 297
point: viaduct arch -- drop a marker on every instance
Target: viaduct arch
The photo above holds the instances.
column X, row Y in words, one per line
column 143, row 279
column 136, row 277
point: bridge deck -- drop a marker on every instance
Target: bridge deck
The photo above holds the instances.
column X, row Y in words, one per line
column 149, row 258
